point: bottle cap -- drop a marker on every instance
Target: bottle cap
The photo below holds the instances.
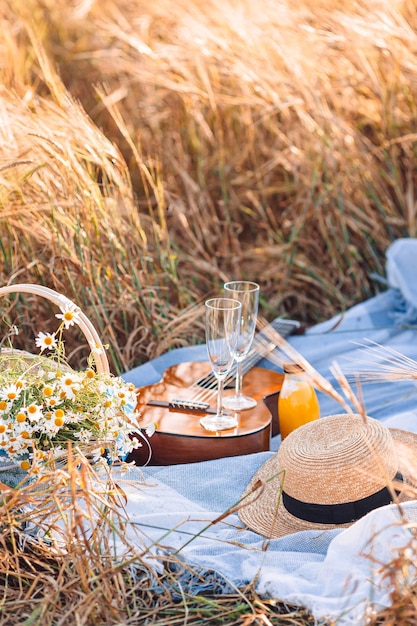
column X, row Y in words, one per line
column 290, row 367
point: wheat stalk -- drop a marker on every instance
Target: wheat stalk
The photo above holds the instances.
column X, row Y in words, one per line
column 384, row 363
column 287, row 351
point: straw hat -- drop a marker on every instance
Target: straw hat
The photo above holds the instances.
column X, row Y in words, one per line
column 329, row 473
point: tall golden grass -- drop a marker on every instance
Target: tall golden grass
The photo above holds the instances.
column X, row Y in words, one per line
column 151, row 150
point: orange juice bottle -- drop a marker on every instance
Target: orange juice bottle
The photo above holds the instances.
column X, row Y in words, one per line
column 297, row 400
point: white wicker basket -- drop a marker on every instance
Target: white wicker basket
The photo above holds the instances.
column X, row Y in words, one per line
column 10, row 473
column 61, row 301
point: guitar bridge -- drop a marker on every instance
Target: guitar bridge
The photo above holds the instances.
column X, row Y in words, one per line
column 188, row 405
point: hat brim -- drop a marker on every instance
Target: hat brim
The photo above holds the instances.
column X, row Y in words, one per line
column 261, row 504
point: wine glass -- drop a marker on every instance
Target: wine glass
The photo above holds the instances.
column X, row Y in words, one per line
column 222, row 328
column 247, row 293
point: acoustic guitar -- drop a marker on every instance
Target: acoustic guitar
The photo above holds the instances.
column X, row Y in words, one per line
column 187, row 392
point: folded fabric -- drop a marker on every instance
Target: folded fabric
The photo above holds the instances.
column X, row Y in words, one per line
column 401, row 261
column 337, row 574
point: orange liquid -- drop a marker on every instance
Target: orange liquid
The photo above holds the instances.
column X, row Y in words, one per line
column 297, row 405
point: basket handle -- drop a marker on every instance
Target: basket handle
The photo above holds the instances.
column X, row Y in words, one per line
column 61, row 301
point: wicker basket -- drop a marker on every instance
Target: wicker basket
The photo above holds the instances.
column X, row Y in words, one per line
column 10, row 473
column 61, row 301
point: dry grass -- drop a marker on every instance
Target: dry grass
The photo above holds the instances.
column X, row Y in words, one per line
column 67, row 559
column 150, row 151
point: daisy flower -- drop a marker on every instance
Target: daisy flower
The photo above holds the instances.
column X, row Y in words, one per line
column 97, row 454
column 96, row 348
column 70, row 315
column 34, row 412
column 150, row 429
column 45, row 341
column 50, row 427
column 83, row 435
column 24, row 429
column 10, row 392
column 70, row 384
column 135, row 443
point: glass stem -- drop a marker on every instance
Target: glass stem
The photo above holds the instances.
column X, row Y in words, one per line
column 239, row 377
column 220, row 383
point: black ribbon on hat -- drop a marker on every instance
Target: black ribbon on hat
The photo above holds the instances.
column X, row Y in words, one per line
column 338, row 513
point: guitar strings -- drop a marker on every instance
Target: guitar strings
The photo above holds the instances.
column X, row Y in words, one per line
column 262, row 346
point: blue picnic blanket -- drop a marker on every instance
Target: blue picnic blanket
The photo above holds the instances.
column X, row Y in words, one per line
column 335, row 574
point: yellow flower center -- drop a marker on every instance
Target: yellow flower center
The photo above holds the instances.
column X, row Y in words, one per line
column 59, row 421
column 2, row 428
column 48, row 391
column 59, row 413
column 20, row 417
column 3, row 405
column 12, row 395
column 25, row 465
column 32, row 409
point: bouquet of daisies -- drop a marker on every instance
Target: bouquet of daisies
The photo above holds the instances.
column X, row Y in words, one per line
column 44, row 403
